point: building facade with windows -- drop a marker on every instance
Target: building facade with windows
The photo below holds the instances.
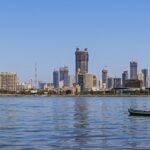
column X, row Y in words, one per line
column 133, row 70
column 56, row 78
column 145, row 74
column 81, row 62
column 8, row 81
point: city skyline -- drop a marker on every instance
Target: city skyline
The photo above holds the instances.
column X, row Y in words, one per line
column 45, row 32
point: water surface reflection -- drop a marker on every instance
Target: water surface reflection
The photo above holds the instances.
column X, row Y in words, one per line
column 73, row 123
column 81, row 121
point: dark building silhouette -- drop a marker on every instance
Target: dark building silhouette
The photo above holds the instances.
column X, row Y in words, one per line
column 94, row 81
column 117, row 82
column 56, row 79
column 81, row 81
column 64, row 76
column 133, row 70
column 110, row 82
column 104, row 76
column 133, row 84
column 81, row 62
column 124, row 78
column 145, row 73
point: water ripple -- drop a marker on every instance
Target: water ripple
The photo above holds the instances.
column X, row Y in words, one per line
column 37, row 123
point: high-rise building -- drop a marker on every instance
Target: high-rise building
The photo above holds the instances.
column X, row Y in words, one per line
column 71, row 80
column 110, row 82
column 81, row 81
column 56, row 79
column 81, row 62
column 117, row 82
column 133, row 70
column 88, row 82
column 8, row 81
column 141, row 78
column 100, row 84
column 149, row 81
column 124, row 78
column 64, row 76
column 145, row 73
column 94, row 81
column 104, row 77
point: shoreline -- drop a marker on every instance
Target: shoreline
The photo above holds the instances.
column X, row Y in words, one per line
column 88, row 95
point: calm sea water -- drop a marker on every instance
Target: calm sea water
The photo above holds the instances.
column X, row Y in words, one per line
column 97, row 123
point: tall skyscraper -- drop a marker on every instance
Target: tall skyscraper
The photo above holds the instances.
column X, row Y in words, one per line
column 56, row 79
column 104, row 77
column 64, row 76
column 133, row 70
column 124, row 78
column 110, row 82
column 145, row 73
column 81, row 62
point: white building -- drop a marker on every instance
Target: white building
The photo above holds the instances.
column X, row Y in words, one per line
column 71, row 80
column 141, row 78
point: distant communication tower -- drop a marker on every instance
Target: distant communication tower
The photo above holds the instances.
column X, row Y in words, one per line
column 35, row 80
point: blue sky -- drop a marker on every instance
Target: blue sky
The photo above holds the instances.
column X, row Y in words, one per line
column 48, row 31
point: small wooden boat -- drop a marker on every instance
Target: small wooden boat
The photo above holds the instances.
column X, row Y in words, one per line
column 135, row 112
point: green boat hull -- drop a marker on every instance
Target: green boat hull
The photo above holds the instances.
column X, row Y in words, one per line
column 134, row 112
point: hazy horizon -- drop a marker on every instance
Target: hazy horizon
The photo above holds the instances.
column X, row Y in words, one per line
column 48, row 33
